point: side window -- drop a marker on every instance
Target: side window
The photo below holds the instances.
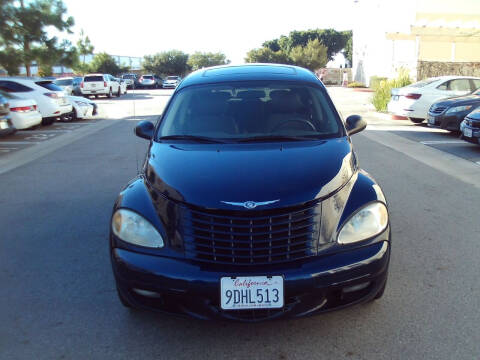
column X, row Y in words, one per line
column 443, row 86
column 476, row 84
column 459, row 85
column 13, row 87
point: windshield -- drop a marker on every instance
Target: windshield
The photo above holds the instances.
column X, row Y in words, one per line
column 172, row 78
column 251, row 110
column 63, row 82
column 148, row 77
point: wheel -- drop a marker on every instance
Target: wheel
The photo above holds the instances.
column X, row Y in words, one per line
column 110, row 93
column 119, row 92
column 416, row 120
column 47, row 121
column 74, row 115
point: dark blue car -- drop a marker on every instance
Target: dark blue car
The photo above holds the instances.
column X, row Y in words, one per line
column 251, row 204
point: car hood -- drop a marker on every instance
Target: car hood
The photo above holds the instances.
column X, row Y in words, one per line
column 210, row 175
column 475, row 115
column 459, row 101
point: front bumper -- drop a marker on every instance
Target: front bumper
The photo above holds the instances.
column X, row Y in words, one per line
column 447, row 122
column 169, row 86
column 474, row 132
column 321, row 284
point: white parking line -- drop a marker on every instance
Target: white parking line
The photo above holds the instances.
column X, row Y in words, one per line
column 19, row 143
column 42, row 131
column 439, row 142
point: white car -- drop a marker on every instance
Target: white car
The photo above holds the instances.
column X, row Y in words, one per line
column 171, row 82
column 414, row 101
column 82, row 108
column 23, row 112
column 66, row 83
column 123, row 85
column 51, row 100
column 100, row 84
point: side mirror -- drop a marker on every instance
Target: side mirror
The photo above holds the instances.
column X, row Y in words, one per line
column 144, row 129
column 355, row 124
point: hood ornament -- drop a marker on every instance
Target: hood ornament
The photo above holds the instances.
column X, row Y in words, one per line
column 250, row 204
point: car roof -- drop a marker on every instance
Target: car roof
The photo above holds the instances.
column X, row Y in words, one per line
column 228, row 73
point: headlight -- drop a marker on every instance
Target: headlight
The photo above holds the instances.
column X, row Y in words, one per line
column 371, row 220
column 458, row 109
column 135, row 229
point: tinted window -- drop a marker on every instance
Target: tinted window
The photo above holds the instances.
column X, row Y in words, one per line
column 93, row 78
column 13, row 87
column 148, row 77
column 456, row 85
column 63, row 82
column 128, row 76
column 172, row 77
column 49, row 85
column 244, row 110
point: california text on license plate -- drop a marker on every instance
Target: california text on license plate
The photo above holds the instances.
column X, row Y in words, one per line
column 251, row 292
column 467, row 132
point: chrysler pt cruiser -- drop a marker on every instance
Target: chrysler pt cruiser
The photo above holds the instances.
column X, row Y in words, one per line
column 250, row 204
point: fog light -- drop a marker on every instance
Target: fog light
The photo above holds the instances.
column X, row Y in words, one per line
column 147, row 293
column 357, row 287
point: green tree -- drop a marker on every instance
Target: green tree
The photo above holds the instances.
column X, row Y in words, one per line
column 266, row 55
column 199, row 60
column 348, row 50
column 23, row 26
column 51, row 54
column 173, row 62
column 312, row 56
column 84, row 46
column 334, row 40
column 105, row 64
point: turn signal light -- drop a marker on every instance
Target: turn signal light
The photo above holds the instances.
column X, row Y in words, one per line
column 104, row 84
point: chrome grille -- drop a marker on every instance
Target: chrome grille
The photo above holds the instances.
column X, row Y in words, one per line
column 252, row 237
column 434, row 109
column 473, row 123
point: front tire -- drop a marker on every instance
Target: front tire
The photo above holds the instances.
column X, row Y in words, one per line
column 416, row 120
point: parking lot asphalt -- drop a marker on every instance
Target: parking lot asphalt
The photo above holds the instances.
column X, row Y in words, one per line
column 58, row 295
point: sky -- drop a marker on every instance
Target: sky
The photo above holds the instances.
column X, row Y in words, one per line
column 142, row 27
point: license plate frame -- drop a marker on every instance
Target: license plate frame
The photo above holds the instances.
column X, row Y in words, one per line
column 468, row 132
column 252, row 292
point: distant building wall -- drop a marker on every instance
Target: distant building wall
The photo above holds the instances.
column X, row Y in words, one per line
column 426, row 69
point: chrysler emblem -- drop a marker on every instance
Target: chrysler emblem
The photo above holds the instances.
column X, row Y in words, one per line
column 250, row 204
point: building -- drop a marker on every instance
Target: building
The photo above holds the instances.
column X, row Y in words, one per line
column 427, row 37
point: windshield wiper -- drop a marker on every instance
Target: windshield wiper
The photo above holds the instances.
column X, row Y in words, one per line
column 275, row 138
column 204, row 139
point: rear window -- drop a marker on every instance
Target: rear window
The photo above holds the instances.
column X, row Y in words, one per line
column 423, row 83
column 63, row 82
column 93, row 78
column 13, row 87
column 238, row 111
column 128, row 76
column 49, row 85
column 148, row 77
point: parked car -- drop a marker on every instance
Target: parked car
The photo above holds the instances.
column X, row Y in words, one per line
column 448, row 114
column 77, row 81
column 147, row 81
column 23, row 112
column 82, row 108
column 131, row 79
column 171, row 82
column 251, row 204
column 123, row 86
column 100, row 84
column 470, row 127
column 51, row 100
column 414, row 101
column 66, row 83
column 6, row 126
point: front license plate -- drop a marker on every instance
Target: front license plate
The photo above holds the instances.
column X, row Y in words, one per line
column 251, row 292
column 467, row 132
column 431, row 120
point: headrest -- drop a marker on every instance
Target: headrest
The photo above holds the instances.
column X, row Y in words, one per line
column 210, row 103
column 285, row 101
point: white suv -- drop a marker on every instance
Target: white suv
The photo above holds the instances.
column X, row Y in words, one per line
column 100, row 84
column 51, row 100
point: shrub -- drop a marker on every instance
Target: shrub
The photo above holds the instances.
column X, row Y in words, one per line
column 375, row 81
column 356, row 85
column 383, row 91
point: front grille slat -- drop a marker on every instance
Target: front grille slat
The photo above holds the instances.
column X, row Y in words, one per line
column 252, row 237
